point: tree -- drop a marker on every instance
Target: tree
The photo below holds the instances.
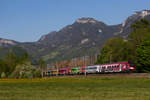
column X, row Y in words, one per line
column 23, row 58
column 140, row 30
column 114, row 50
column 143, row 56
column 11, row 62
column 22, row 70
column 2, row 66
column 140, row 24
column 42, row 66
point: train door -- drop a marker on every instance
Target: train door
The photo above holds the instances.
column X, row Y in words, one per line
column 100, row 69
column 120, row 68
column 49, row 73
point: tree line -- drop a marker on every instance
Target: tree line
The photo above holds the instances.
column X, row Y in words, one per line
column 14, row 66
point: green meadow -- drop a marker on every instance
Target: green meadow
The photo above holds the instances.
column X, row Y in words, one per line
column 76, row 88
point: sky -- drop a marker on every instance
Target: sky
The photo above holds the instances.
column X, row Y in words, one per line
column 28, row 20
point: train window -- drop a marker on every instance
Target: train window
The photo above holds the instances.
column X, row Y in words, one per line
column 117, row 66
column 125, row 66
column 83, row 68
column 113, row 67
column 104, row 67
column 110, row 67
column 93, row 68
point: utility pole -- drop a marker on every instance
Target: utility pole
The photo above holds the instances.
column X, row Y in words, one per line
column 85, row 67
column 56, row 68
column 110, row 58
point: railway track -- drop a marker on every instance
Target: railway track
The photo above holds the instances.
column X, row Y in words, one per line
column 123, row 75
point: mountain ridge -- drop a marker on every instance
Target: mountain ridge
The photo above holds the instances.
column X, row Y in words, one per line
column 83, row 37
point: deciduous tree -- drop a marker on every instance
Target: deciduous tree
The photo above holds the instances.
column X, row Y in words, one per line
column 143, row 56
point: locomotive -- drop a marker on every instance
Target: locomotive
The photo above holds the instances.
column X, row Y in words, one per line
column 93, row 69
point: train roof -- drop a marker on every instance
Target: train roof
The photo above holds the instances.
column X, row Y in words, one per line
column 114, row 63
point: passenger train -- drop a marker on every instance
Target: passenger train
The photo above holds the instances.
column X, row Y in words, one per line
column 94, row 69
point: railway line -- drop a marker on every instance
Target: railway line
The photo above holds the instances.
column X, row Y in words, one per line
column 107, row 75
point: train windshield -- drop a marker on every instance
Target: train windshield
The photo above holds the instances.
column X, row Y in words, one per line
column 131, row 64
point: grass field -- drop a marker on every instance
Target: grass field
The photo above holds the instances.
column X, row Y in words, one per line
column 89, row 88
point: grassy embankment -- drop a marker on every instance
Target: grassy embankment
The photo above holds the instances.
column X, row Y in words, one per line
column 90, row 88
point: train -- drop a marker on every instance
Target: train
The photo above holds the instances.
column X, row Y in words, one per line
column 92, row 69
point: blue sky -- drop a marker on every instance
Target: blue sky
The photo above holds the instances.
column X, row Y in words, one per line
column 28, row 20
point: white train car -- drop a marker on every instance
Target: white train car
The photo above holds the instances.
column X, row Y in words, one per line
column 93, row 69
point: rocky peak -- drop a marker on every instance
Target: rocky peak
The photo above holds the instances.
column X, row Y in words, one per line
column 142, row 13
column 136, row 16
column 125, row 26
column 5, row 42
column 86, row 20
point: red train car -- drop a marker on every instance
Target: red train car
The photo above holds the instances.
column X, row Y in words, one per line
column 116, row 67
column 64, row 71
column 82, row 69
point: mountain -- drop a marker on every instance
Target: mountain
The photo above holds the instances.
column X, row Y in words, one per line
column 125, row 27
column 7, row 46
column 85, row 36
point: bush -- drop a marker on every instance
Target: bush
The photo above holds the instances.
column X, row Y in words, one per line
column 3, row 75
column 36, row 73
